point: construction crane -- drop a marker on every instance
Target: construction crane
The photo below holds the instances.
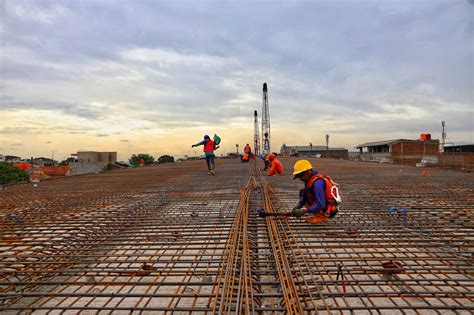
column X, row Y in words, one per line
column 256, row 135
column 443, row 136
column 265, row 121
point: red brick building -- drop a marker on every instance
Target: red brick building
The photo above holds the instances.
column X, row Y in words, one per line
column 400, row 151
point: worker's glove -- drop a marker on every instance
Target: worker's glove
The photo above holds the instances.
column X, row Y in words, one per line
column 297, row 213
column 299, row 205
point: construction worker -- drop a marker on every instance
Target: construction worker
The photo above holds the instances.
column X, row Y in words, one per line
column 245, row 158
column 320, row 197
column 247, row 149
column 275, row 168
column 209, row 147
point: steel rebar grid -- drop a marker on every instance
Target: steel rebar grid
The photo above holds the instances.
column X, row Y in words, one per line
column 236, row 294
column 153, row 240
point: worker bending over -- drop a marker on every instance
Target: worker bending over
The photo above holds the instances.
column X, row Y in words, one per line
column 245, row 158
column 320, row 197
column 276, row 168
column 209, row 147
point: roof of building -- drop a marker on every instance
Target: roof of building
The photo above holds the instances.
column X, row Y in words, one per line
column 312, row 148
column 94, row 152
column 459, row 145
column 42, row 158
column 378, row 143
column 388, row 142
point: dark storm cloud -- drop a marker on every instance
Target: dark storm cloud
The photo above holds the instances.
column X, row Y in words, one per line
column 193, row 63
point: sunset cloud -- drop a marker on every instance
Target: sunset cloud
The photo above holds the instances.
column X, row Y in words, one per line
column 155, row 76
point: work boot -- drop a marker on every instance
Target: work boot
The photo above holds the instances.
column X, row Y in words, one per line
column 317, row 218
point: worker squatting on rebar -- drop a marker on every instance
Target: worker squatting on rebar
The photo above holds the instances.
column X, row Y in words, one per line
column 320, row 196
column 209, row 147
column 276, row 168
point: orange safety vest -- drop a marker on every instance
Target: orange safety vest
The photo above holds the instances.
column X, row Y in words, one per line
column 247, row 149
column 331, row 203
column 209, row 146
column 276, row 168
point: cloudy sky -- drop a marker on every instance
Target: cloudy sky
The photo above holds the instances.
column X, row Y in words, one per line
column 155, row 76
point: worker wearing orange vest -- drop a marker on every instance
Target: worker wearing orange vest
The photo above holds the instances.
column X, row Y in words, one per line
column 276, row 167
column 247, row 149
column 320, row 197
column 209, row 147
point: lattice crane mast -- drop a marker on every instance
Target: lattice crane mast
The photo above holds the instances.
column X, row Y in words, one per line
column 265, row 121
column 256, row 135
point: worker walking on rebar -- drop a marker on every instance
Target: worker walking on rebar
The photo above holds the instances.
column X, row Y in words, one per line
column 276, row 168
column 209, row 147
column 320, row 197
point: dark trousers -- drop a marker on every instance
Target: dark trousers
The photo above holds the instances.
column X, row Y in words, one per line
column 210, row 162
column 267, row 165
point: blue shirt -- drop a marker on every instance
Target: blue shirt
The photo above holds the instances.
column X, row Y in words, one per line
column 319, row 191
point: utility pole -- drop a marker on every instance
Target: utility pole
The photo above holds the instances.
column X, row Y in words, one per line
column 256, row 135
column 237, row 147
column 311, row 146
column 265, row 120
column 327, row 142
column 443, row 135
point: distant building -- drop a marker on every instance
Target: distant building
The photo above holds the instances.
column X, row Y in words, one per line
column 91, row 161
column 12, row 158
column 2, row 158
column 42, row 161
column 460, row 148
column 400, row 151
column 458, row 156
column 96, row 157
column 315, row 151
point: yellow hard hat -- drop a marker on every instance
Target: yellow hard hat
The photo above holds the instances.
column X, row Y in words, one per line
column 301, row 166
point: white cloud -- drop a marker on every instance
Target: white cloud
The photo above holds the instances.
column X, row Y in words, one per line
column 354, row 70
column 398, row 112
column 34, row 11
column 169, row 57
